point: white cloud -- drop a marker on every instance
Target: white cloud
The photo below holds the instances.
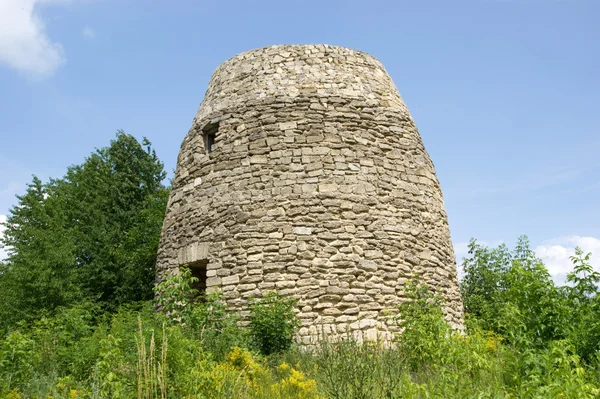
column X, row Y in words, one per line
column 2, row 228
column 88, row 32
column 24, row 45
column 556, row 254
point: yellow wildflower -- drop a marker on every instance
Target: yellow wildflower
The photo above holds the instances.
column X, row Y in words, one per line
column 14, row 394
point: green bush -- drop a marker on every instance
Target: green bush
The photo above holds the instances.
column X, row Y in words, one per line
column 512, row 294
column 424, row 331
column 273, row 323
column 175, row 296
column 217, row 327
column 17, row 357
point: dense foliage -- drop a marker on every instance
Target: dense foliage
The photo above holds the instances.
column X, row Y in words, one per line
column 511, row 293
column 77, row 320
column 83, row 352
column 89, row 236
column 273, row 323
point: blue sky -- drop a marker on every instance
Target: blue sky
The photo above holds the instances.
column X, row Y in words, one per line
column 505, row 93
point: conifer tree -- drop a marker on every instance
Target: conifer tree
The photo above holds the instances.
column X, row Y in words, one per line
column 91, row 235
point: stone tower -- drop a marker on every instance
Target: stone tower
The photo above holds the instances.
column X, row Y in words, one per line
column 304, row 172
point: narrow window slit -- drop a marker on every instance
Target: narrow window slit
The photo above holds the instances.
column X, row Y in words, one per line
column 210, row 135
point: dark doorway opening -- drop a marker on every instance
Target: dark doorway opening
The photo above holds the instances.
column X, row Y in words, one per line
column 198, row 270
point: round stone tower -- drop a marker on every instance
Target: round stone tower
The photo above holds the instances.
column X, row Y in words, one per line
column 303, row 172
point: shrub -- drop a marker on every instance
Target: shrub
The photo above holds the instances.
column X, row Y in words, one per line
column 175, row 296
column 424, row 330
column 273, row 323
column 16, row 360
column 109, row 373
column 217, row 326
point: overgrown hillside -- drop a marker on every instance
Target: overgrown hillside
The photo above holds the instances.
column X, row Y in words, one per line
column 77, row 318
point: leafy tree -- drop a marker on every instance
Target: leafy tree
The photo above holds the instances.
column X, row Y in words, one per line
column 529, row 286
column 584, row 305
column 482, row 283
column 91, row 234
column 38, row 274
column 583, row 277
column 110, row 198
column 512, row 293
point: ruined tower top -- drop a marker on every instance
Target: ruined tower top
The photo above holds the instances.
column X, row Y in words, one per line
column 304, row 172
column 288, row 72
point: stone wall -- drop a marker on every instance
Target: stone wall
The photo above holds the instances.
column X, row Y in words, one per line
column 318, row 186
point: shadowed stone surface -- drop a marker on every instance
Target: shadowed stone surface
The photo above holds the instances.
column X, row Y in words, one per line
column 318, row 186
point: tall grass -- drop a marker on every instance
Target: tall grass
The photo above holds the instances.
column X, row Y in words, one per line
column 137, row 353
column 151, row 374
column 154, row 360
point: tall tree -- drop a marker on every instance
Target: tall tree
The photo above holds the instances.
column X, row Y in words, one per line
column 37, row 275
column 92, row 234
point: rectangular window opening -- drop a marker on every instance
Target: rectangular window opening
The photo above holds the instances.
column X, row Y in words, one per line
column 198, row 270
column 210, row 135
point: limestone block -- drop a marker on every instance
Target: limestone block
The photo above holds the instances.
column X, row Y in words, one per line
column 302, row 230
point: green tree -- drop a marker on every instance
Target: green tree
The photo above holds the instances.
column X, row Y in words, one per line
column 110, row 196
column 91, row 234
column 512, row 293
column 38, row 274
column 482, row 283
column 584, row 305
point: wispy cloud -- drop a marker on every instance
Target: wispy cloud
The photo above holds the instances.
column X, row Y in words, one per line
column 24, row 43
column 88, row 32
column 524, row 183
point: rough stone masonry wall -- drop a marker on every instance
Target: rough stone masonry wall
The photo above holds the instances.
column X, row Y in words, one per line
column 319, row 186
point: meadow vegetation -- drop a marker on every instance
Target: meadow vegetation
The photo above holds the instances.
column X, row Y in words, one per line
column 77, row 316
